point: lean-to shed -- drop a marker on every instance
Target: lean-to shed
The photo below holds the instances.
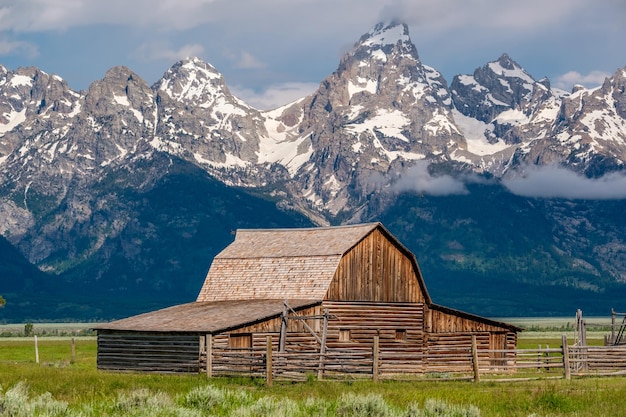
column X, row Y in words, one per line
column 333, row 286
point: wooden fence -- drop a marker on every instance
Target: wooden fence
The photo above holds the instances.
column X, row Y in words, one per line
column 436, row 362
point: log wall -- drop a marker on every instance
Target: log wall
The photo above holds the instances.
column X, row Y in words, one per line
column 443, row 322
column 148, row 352
column 397, row 325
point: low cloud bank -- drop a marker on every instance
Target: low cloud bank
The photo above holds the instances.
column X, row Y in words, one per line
column 555, row 182
column 418, row 179
column 533, row 181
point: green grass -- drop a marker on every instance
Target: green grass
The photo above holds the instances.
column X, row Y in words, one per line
column 81, row 388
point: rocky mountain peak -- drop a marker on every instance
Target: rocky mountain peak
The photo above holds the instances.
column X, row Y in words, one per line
column 506, row 62
column 387, row 34
column 377, row 114
column 217, row 130
column 193, row 80
column 385, row 42
column 498, row 86
column 591, row 126
column 616, row 87
column 119, row 87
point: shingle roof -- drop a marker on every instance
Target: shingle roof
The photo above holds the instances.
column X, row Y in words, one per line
column 206, row 317
column 280, row 243
column 280, row 263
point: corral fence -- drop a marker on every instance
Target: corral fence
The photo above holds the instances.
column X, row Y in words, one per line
column 437, row 362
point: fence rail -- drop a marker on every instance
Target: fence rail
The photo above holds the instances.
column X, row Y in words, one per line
column 451, row 362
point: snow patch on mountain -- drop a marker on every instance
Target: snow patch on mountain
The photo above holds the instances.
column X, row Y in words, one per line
column 390, row 123
column 21, row 80
column 514, row 72
column 386, row 34
column 362, row 84
column 474, row 131
column 15, row 118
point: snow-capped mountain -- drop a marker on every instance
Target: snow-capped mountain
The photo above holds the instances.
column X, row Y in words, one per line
column 70, row 159
column 379, row 112
column 509, row 120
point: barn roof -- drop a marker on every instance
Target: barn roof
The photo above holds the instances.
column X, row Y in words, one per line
column 206, row 317
column 281, row 243
column 280, row 263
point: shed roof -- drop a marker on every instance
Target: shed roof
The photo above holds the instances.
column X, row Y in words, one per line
column 206, row 317
column 280, row 263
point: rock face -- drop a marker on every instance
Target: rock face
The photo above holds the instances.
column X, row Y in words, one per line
column 381, row 110
column 71, row 162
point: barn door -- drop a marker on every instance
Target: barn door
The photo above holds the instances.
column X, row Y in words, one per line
column 497, row 345
column 240, row 341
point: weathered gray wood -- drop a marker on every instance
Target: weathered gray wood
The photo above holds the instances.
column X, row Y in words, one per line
column 208, row 344
column 375, row 358
column 166, row 352
column 566, row 367
column 268, row 361
column 283, row 329
column 320, row 372
column 475, row 359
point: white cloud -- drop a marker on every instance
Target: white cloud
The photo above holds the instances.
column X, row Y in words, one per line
column 590, row 80
column 43, row 15
column 8, row 47
column 163, row 51
column 301, row 40
column 418, row 179
column 276, row 95
column 555, row 182
column 248, row 61
column 442, row 15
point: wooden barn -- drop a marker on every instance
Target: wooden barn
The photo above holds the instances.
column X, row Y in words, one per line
column 316, row 290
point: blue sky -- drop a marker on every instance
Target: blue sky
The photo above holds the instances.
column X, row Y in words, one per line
column 273, row 51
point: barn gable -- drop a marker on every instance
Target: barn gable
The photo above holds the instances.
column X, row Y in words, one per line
column 379, row 269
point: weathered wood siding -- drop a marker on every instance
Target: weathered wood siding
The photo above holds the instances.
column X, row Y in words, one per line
column 148, row 352
column 296, row 331
column 352, row 325
column 448, row 327
column 363, row 321
column 375, row 270
column 438, row 321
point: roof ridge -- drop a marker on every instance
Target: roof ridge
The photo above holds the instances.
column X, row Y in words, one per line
column 290, row 229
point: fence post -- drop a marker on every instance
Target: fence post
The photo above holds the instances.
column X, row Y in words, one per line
column 612, row 326
column 375, row 354
column 209, row 355
column 567, row 370
column 73, row 350
column 36, row 350
column 320, row 370
column 283, row 328
column 268, row 361
column 475, row 359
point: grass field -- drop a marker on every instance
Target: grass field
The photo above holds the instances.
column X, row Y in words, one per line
column 60, row 386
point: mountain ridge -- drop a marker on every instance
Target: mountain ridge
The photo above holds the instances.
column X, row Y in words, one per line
column 76, row 166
